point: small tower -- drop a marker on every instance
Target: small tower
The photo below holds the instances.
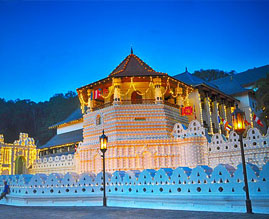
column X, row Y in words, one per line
column 1, row 138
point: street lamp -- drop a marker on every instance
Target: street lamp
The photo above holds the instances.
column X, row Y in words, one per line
column 238, row 118
column 103, row 147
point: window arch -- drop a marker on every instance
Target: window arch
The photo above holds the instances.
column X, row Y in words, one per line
column 98, row 120
column 136, row 98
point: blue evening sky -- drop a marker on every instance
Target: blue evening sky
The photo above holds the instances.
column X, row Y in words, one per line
column 49, row 47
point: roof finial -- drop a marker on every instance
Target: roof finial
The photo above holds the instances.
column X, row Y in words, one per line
column 132, row 50
column 186, row 70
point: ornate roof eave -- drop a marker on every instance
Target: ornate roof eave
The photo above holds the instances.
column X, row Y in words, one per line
column 132, row 66
column 94, row 83
column 188, row 85
column 217, row 91
column 91, row 85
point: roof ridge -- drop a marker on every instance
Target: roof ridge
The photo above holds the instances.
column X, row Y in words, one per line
column 134, row 62
column 140, row 60
column 126, row 62
column 126, row 58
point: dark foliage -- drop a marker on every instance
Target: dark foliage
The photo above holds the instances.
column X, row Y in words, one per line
column 35, row 118
column 212, row 74
column 262, row 95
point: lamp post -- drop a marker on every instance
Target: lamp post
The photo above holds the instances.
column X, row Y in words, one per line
column 238, row 118
column 103, row 147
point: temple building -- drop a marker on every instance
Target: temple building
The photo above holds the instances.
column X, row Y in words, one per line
column 213, row 103
column 152, row 121
column 242, row 86
column 17, row 158
column 138, row 109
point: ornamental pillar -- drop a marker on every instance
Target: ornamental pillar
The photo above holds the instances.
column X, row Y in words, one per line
column 229, row 114
column 208, row 115
column 198, row 107
column 158, row 93
column 223, row 115
column 12, row 161
column 215, row 115
column 117, row 97
column 90, row 100
column 179, row 98
column 186, row 99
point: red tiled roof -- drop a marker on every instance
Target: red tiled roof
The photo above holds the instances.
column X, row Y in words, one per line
column 134, row 66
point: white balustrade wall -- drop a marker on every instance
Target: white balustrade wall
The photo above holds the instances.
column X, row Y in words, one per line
column 222, row 150
column 223, row 184
column 54, row 164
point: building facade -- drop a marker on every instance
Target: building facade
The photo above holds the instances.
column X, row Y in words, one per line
column 17, row 158
column 143, row 113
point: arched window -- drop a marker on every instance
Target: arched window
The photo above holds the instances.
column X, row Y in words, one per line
column 136, row 98
column 98, row 120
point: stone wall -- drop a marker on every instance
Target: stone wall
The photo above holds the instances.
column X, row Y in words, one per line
column 224, row 184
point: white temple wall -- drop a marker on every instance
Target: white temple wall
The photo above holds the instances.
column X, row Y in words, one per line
column 57, row 164
column 227, row 151
column 185, row 147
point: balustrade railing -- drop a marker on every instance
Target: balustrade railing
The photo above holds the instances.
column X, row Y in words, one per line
column 138, row 101
column 134, row 101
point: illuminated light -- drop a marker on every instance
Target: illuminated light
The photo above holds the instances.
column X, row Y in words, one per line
column 238, row 121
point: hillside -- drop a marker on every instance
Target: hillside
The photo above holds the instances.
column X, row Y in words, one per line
column 35, row 118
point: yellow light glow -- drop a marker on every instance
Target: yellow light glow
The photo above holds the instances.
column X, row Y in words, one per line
column 239, row 121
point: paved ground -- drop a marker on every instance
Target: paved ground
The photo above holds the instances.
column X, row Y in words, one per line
column 10, row 212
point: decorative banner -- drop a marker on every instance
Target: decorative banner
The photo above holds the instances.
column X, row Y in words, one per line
column 256, row 119
column 226, row 125
column 96, row 94
column 186, row 111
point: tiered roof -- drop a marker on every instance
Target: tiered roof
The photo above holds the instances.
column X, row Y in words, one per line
column 237, row 83
column 64, row 138
column 191, row 79
column 195, row 81
column 134, row 66
column 230, row 85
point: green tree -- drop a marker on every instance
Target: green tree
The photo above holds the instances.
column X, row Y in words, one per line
column 212, row 74
column 35, row 118
column 262, row 96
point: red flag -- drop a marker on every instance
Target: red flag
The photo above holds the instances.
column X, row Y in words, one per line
column 97, row 93
column 186, row 111
column 256, row 119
